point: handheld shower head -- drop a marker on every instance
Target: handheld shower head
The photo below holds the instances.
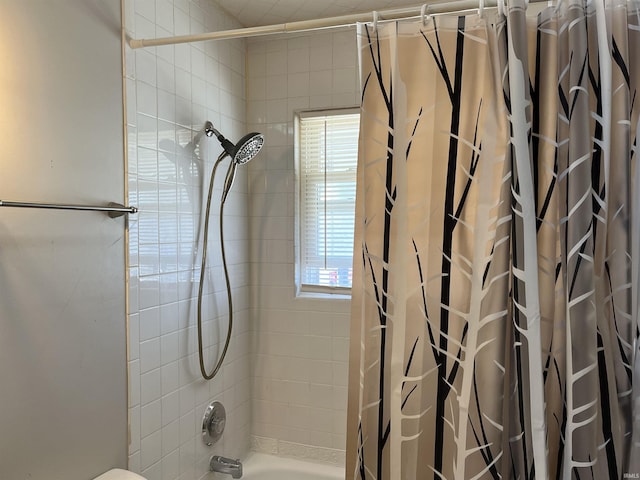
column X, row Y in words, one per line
column 242, row 152
column 248, row 147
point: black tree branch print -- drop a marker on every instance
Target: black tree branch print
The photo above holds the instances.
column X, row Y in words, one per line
column 497, row 298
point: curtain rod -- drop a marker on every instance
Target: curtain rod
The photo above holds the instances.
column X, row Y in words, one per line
column 317, row 24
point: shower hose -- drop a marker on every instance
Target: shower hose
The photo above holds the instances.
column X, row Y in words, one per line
column 216, row 368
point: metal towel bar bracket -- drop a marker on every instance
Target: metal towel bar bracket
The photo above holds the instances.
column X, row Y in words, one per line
column 114, row 210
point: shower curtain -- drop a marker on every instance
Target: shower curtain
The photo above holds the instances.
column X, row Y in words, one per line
column 495, row 291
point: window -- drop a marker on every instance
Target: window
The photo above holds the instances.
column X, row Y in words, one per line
column 327, row 154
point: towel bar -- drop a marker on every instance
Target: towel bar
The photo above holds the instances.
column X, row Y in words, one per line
column 113, row 209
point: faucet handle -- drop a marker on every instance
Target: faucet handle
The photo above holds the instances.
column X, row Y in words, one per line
column 213, row 423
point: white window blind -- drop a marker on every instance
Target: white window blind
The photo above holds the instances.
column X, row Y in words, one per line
column 328, row 154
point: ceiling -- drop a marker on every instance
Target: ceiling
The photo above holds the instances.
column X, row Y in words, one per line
column 253, row 13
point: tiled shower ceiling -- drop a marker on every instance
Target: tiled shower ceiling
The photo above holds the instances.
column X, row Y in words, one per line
column 252, row 13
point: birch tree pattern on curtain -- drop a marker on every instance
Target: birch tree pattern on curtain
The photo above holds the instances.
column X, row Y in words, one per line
column 495, row 290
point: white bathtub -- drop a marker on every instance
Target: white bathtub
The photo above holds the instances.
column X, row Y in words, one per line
column 259, row 466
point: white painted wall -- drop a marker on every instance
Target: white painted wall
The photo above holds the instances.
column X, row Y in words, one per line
column 63, row 413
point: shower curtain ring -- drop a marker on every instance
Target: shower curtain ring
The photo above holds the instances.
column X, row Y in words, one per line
column 376, row 16
column 481, row 8
column 424, row 14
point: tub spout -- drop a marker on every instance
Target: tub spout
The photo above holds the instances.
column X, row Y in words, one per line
column 226, row 465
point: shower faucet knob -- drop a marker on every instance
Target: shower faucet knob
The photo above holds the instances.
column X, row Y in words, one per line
column 213, row 423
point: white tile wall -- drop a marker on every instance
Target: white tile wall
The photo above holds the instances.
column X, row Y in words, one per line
column 171, row 91
column 296, row 347
column 300, row 344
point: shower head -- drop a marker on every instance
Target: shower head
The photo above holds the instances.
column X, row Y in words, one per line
column 243, row 151
column 248, row 147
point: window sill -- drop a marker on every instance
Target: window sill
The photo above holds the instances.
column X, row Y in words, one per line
column 324, row 296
